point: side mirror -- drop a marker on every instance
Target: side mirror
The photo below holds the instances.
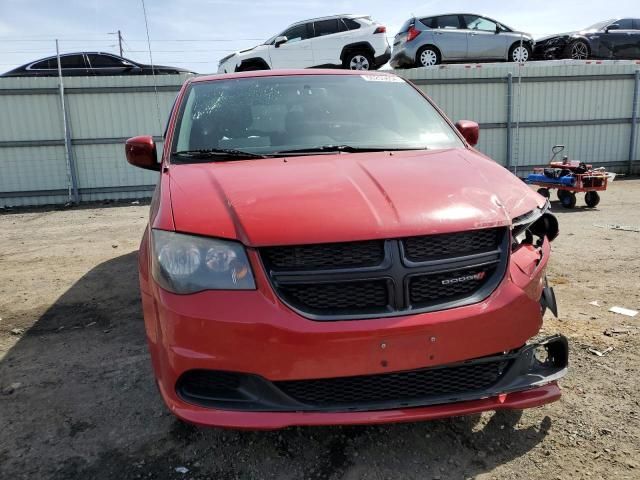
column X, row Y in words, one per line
column 469, row 130
column 280, row 40
column 498, row 29
column 613, row 26
column 141, row 152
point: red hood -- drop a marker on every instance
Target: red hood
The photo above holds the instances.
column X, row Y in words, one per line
column 342, row 197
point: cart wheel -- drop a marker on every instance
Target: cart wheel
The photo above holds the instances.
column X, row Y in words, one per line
column 544, row 192
column 568, row 199
column 591, row 199
column 561, row 193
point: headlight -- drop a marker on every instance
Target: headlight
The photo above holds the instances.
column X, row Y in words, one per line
column 536, row 223
column 224, row 59
column 188, row 264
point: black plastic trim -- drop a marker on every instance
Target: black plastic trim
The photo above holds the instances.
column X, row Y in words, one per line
column 357, row 47
column 382, row 59
column 257, row 61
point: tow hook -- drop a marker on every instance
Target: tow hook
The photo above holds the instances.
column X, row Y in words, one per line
column 548, row 299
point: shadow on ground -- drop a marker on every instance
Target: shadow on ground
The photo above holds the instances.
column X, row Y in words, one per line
column 87, row 407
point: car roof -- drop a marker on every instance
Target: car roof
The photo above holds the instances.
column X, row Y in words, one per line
column 73, row 53
column 285, row 73
column 66, row 54
column 330, row 17
column 449, row 13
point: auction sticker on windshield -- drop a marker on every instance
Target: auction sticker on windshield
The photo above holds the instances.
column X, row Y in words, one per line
column 382, row 78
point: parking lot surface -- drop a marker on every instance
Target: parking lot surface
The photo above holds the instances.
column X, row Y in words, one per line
column 78, row 400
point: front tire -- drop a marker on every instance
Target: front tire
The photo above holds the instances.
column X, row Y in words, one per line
column 358, row 61
column 520, row 54
column 428, row 56
column 592, row 199
column 568, row 200
column 561, row 194
column 578, row 50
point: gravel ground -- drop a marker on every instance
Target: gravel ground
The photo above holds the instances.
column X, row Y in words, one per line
column 78, row 401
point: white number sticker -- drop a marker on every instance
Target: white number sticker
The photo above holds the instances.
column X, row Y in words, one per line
column 382, row 78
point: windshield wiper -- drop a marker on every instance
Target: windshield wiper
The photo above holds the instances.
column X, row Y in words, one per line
column 341, row 148
column 219, row 154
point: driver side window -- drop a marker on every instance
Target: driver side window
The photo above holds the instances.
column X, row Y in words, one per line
column 298, row 33
column 625, row 24
column 479, row 23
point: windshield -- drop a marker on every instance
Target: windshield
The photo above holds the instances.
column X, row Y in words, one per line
column 266, row 115
column 599, row 25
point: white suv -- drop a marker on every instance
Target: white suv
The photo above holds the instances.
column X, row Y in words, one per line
column 342, row 41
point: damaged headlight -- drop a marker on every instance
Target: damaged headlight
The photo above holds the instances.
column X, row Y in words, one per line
column 188, row 263
column 533, row 226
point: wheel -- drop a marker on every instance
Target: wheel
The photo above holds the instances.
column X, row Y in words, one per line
column 578, row 50
column 561, row 193
column 568, row 199
column 519, row 54
column 358, row 61
column 591, row 199
column 544, row 192
column 427, row 57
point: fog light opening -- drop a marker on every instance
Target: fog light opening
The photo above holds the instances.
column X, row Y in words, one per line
column 541, row 356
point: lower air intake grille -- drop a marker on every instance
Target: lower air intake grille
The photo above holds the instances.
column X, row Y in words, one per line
column 404, row 386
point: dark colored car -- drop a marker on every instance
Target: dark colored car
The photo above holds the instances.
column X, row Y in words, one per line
column 613, row 39
column 89, row 63
column 326, row 247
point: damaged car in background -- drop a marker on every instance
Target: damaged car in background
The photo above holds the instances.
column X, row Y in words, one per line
column 325, row 247
column 613, row 39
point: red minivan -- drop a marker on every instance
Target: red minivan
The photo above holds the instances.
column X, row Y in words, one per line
column 326, row 247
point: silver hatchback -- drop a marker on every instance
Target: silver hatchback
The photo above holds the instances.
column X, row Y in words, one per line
column 457, row 37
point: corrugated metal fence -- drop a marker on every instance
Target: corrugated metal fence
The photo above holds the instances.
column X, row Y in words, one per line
column 522, row 111
column 103, row 112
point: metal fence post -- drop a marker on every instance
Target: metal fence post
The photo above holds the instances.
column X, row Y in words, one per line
column 71, row 166
column 509, row 117
column 634, row 121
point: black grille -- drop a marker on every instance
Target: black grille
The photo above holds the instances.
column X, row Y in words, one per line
column 327, row 255
column 421, row 249
column 447, row 286
column 403, row 386
column 388, row 277
column 334, row 297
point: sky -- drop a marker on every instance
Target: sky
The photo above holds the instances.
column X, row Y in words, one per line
column 195, row 34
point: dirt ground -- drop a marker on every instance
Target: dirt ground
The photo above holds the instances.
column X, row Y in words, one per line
column 78, row 401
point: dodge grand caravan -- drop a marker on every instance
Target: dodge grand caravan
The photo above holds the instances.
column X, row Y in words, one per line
column 325, row 247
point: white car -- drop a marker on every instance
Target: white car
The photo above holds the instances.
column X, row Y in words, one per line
column 340, row 41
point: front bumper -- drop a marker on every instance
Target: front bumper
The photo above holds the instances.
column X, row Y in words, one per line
column 532, row 366
column 535, row 397
column 543, row 51
column 254, row 332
